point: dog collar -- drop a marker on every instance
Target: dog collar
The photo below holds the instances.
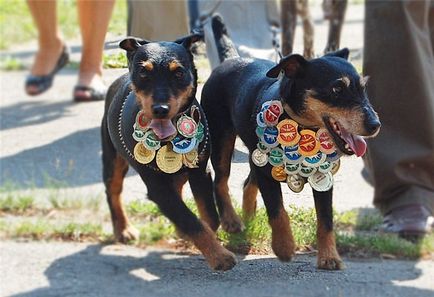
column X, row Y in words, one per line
column 296, row 154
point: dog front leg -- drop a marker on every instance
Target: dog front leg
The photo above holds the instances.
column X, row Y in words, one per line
column 328, row 257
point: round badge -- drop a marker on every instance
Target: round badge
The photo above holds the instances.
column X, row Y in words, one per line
column 308, row 145
column 262, row 147
column 288, row 132
column 325, row 167
column 260, row 132
column 151, row 141
column 182, row 145
column 200, row 134
column 321, row 182
column 326, row 143
column 270, row 137
column 278, row 173
column 292, row 155
column 142, row 154
column 191, row 159
column 335, row 166
column 307, row 171
column 272, row 113
column 315, row 160
column 259, row 158
column 141, row 121
column 292, row 168
column 265, row 106
column 333, row 156
column 138, row 135
column 186, row 126
column 167, row 160
column 275, row 156
column 295, row 183
column 260, row 120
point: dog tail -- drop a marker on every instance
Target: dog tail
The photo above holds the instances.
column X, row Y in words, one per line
column 225, row 47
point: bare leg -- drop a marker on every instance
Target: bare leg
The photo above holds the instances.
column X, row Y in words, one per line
column 93, row 17
column 49, row 39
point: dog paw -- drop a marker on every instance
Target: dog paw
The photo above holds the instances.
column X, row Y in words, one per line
column 232, row 224
column 129, row 233
column 283, row 249
column 330, row 263
column 224, row 260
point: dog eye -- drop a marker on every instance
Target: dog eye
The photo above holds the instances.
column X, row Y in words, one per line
column 143, row 72
column 179, row 74
column 336, row 90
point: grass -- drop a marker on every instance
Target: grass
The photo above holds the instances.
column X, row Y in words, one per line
column 356, row 233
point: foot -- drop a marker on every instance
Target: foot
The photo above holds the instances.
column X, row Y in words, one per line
column 90, row 87
column 231, row 222
column 330, row 263
column 127, row 234
column 408, row 221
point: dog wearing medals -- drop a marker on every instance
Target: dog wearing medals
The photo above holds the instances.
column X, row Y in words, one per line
column 296, row 118
column 153, row 122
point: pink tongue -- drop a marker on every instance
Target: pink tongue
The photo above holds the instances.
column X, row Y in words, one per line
column 162, row 128
column 356, row 142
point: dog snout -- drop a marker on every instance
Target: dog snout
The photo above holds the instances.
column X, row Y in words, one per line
column 372, row 122
column 160, row 110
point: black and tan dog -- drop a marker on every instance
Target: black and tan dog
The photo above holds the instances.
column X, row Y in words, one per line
column 162, row 83
column 321, row 93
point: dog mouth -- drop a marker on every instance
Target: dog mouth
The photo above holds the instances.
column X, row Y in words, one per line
column 346, row 142
column 163, row 128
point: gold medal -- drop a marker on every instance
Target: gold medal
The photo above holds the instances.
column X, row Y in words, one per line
column 335, row 166
column 142, row 154
column 308, row 145
column 167, row 160
column 278, row 173
column 191, row 159
column 288, row 132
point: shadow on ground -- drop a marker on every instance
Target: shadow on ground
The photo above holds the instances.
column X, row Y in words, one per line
column 106, row 271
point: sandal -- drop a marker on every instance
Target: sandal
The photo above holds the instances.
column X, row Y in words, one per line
column 95, row 94
column 44, row 82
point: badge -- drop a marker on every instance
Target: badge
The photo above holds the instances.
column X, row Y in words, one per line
column 326, row 143
column 325, row 167
column 307, row 171
column 333, row 156
column 260, row 132
column 292, row 168
column 278, row 173
column 141, row 121
column 142, row 154
column 200, row 134
column 167, row 160
column 275, row 157
column 288, row 132
column 191, row 159
column 335, row 166
column 182, row 145
column 272, row 113
column 321, row 182
column 262, row 147
column 260, row 120
column 295, row 183
column 292, row 155
column 186, row 126
column 270, row 137
column 138, row 135
column 151, row 141
column 315, row 160
column 308, row 145
column 259, row 158
column 265, row 106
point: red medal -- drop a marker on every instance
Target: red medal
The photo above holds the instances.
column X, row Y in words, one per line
column 308, row 145
column 288, row 132
column 326, row 142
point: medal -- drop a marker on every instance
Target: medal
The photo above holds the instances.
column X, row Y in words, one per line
column 260, row 120
column 151, row 141
column 292, row 155
column 275, row 157
column 138, row 135
column 191, row 159
column 325, row 167
column 259, row 158
column 142, row 154
column 291, row 169
column 182, row 145
column 335, row 167
column 333, row 156
column 295, row 183
column 325, row 140
column 186, row 126
column 270, row 137
column 308, row 145
column 288, row 132
column 260, row 132
column 142, row 122
column 200, row 134
column 307, row 171
column 262, row 147
column 321, row 182
column 167, row 160
column 273, row 112
column 278, row 173
column 315, row 160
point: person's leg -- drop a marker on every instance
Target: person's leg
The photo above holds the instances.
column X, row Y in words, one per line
column 49, row 40
column 93, row 17
column 400, row 159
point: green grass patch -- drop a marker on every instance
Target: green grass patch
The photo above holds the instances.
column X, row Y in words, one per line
column 11, row 64
column 117, row 60
column 16, row 205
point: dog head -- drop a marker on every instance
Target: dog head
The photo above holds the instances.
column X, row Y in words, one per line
column 328, row 92
column 163, row 77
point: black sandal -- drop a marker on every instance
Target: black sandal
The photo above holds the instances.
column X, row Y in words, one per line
column 44, row 82
column 95, row 94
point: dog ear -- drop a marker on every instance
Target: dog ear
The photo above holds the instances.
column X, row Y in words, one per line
column 291, row 65
column 342, row 53
column 187, row 41
column 131, row 44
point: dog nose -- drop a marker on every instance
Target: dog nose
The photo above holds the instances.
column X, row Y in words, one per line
column 373, row 126
column 160, row 110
